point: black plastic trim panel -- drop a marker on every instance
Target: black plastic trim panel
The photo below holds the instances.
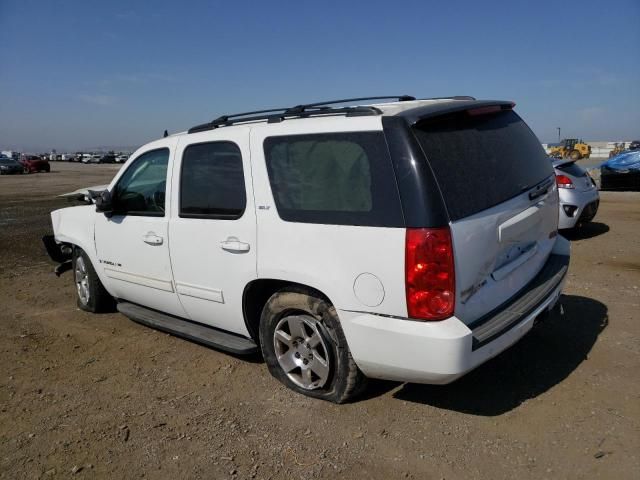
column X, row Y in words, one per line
column 521, row 305
column 420, row 195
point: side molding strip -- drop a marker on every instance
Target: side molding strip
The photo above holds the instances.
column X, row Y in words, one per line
column 211, row 294
column 157, row 283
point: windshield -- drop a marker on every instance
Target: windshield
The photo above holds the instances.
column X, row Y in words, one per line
column 7, row 161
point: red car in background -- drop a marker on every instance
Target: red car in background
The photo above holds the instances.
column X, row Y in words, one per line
column 34, row 163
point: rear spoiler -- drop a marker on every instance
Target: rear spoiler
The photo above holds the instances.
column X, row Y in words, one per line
column 414, row 115
column 560, row 162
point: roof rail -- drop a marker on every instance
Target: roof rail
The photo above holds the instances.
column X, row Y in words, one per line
column 302, row 108
column 455, row 97
column 273, row 115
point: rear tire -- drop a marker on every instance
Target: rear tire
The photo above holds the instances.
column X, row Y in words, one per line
column 92, row 296
column 575, row 155
column 304, row 346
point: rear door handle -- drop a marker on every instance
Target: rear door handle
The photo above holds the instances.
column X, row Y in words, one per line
column 232, row 244
column 152, row 239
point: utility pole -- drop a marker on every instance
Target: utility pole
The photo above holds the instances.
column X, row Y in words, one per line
column 558, row 134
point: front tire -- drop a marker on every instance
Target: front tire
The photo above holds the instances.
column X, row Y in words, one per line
column 304, row 346
column 92, row 296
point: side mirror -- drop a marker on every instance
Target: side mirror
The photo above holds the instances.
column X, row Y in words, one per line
column 103, row 201
column 82, row 197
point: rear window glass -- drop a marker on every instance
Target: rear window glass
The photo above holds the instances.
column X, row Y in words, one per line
column 482, row 160
column 572, row 169
column 333, row 178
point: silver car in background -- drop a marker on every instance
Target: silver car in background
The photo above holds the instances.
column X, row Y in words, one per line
column 579, row 198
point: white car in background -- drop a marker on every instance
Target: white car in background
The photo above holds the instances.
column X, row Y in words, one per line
column 91, row 158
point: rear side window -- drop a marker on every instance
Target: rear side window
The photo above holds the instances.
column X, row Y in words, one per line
column 212, row 181
column 481, row 160
column 333, row 178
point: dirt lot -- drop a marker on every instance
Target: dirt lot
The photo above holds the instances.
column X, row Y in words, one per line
column 100, row 396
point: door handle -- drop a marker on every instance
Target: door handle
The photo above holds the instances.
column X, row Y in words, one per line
column 232, row 244
column 152, row 239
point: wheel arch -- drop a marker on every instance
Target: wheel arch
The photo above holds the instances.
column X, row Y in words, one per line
column 256, row 294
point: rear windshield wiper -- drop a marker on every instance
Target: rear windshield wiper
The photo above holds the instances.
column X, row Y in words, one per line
column 539, row 190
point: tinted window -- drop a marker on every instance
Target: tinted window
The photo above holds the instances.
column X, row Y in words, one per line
column 333, row 178
column 141, row 189
column 482, row 160
column 212, row 181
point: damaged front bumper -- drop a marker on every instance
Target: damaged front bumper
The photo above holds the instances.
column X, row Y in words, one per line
column 60, row 253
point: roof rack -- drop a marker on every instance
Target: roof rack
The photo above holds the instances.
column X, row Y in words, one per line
column 455, row 97
column 307, row 106
column 274, row 115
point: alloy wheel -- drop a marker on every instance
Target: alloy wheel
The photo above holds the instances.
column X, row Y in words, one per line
column 302, row 352
column 82, row 280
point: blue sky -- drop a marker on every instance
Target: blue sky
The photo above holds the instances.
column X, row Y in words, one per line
column 79, row 74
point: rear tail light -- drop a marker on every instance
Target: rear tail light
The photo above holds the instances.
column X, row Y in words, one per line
column 564, row 182
column 429, row 273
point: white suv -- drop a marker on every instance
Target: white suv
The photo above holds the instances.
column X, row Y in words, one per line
column 410, row 240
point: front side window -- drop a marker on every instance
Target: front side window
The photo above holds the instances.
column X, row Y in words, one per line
column 343, row 178
column 212, row 181
column 141, row 189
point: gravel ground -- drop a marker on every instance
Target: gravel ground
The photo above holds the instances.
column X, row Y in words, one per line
column 98, row 396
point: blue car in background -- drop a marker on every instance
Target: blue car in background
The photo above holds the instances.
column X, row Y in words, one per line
column 622, row 172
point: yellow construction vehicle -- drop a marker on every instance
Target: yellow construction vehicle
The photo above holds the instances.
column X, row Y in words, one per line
column 618, row 148
column 572, row 148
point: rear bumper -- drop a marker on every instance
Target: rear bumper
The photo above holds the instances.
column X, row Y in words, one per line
column 576, row 207
column 441, row 352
